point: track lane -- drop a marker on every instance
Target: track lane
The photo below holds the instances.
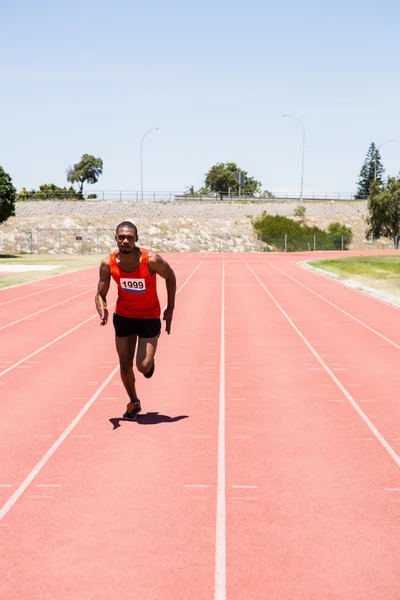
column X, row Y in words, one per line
column 365, row 364
column 41, row 396
column 126, row 520
column 308, row 515
column 369, row 310
column 26, row 339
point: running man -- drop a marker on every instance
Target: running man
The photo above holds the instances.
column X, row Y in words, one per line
column 137, row 312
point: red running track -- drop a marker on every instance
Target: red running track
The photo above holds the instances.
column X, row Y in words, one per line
column 265, row 464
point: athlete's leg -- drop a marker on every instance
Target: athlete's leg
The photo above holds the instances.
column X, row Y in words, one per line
column 126, row 351
column 145, row 354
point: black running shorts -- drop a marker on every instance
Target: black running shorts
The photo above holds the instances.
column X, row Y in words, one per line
column 143, row 328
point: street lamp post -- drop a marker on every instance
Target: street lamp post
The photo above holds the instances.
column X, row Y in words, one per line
column 376, row 154
column 302, row 154
column 141, row 159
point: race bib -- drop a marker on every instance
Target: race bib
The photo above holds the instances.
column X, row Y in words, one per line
column 136, row 286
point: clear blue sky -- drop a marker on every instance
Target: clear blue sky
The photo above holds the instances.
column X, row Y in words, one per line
column 215, row 76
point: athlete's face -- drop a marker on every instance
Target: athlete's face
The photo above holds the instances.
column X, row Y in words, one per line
column 126, row 239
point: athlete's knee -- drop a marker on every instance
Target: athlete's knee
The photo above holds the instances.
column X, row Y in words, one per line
column 125, row 365
column 144, row 366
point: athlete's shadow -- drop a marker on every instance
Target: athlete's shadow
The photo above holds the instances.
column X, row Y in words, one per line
column 150, row 418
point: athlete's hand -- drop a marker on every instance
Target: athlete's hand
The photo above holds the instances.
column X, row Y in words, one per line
column 168, row 312
column 103, row 315
column 102, row 310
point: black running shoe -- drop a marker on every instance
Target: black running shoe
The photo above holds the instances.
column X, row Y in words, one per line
column 150, row 373
column 132, row 410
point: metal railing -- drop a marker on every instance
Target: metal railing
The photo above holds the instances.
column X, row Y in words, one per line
column 170, row 196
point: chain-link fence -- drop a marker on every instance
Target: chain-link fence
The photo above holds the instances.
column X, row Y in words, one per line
column 101, row 241
column 288, row 243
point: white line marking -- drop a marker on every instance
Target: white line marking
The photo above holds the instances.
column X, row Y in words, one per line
column 245, row 487
column 49, row 344
column 220, row 541
column 36, row 470
column 48, row 485
column 392, row 489
column 202, row 437
column 5, row 485
column 240, row 437
column 245, row 498
column 345, row 392
column 44, row 309
column 196, row 485
column 40, row 291
column 358, row 291
column 104, row 398
column 340, row 309
column 237, row 398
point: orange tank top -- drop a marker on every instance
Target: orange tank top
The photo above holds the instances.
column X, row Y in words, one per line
column 137, row 291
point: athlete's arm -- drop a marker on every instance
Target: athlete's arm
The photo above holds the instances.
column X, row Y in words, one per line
column 102, row 290
column 161, row 267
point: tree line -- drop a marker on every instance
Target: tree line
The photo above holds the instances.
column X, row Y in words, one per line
column 228, row 179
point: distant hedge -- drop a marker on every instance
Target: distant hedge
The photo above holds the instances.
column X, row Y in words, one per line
column 271, row 229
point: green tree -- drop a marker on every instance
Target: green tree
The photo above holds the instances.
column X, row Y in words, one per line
column 384, row 211
column 87, row 169
column 7, row 196
column 48, row 191
column 340, row 232
column 221, row 178
column 272, row 230
column 372, row 170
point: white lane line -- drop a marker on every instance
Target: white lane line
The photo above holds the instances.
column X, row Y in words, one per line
column 220, row 539
column 5, row 485
column 345, row 392
column 40, row 291
column 36, row 470
column 45, row 309
column 196, row 485
column 392, row 489
column 74, row 329
column 245, row 498
column 48, row 485
column 340, row 309
column 245, row 487
column 49, row 344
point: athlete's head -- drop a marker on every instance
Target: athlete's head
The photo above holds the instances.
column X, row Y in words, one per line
column 126, row 235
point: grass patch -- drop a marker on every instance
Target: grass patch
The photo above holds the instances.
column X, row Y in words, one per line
column 380, row 272
column 66, row 265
